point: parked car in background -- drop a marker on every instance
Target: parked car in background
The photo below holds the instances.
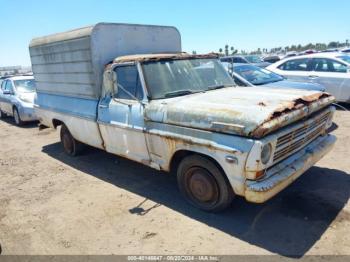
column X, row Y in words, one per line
column 17, row 98
column 331, row 70
column 272, row 59
column 247, row 59
column 308, row 52
column 290, row 54
column 261, row 76
column 346, row 50
column 330, row 50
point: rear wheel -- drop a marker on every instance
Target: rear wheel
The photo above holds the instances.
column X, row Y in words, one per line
column 71, row 146
column 203, row 184
column 17, row 117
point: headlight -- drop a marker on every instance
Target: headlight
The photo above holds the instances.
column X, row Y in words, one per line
column 329, row 122
column 266, row 153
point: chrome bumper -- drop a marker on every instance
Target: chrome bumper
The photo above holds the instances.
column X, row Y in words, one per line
column 284, row 173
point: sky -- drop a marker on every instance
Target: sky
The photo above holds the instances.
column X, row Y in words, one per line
column 205, row 25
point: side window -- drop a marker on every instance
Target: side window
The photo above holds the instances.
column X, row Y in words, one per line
column 296, row 65
column 128, row 78
column 238, row 60
column 9, row 86
column 328, row 65
column 228, row 60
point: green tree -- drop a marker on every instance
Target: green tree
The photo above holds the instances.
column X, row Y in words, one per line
column 333, row 45
column 226, row 50
column 233, row 50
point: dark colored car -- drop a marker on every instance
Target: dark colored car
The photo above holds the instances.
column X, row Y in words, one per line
column 260, row 76
column 246, row 59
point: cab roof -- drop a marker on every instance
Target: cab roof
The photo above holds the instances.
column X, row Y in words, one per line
column 159, row 57
column 20, row 77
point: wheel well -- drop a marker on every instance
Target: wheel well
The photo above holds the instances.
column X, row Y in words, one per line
column 181, row 154
column 56, row 123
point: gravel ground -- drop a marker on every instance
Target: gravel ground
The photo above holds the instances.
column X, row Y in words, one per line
column 98, row 203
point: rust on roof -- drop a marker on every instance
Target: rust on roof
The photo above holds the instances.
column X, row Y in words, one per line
column 159, row 57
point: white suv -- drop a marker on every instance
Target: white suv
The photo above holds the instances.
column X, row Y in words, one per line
column 331, row 70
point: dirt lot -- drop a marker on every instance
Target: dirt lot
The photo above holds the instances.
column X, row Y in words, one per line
column 101, row 204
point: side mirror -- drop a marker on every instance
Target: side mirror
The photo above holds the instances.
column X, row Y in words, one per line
column 6, row 92
column 348, row 69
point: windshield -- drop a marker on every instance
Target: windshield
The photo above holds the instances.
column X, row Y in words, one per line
column 345, row 58
column 171, row 78
column 253, row 59
column 25, row 85
column 257, row 75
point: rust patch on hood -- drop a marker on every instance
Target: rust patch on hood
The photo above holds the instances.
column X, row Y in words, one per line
column 297, row 104
column 295, row 110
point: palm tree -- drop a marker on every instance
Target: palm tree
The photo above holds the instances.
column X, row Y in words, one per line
column 226, row 50
column 220, row 50
column 233, row 50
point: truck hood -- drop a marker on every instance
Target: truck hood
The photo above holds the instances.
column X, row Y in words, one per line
column 252, row 112
column 27, row 97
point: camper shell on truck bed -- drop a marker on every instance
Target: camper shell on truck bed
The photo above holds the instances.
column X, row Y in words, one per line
column 72, row 63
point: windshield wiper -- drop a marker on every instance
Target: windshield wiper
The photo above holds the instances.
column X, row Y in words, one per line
column 178, row 93
column 217, row 87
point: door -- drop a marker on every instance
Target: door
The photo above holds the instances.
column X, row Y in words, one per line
column 121, row 119
column 296, row 69
column 333, row 75
column 6, row 105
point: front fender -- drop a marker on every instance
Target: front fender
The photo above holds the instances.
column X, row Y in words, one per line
column 164, row 144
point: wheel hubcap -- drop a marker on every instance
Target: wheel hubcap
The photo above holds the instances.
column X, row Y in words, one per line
column 202, row 186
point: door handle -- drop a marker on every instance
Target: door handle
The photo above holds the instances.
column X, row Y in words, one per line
column 313, row 77
column 102, row 106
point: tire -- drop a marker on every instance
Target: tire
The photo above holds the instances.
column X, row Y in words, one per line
column 17, row 117
column 71, row 146
column 2, row 115
column 203, row 184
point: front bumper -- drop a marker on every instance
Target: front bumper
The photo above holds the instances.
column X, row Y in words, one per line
column 284, row 173
column 27, row 113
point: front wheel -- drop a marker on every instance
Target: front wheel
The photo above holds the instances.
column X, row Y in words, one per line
column 17, row 117
column 203, row 184
column 71, row 146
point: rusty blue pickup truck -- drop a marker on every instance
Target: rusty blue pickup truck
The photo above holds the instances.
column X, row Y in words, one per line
column 131, row 91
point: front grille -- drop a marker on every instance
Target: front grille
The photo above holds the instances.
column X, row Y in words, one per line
column 293, row 141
